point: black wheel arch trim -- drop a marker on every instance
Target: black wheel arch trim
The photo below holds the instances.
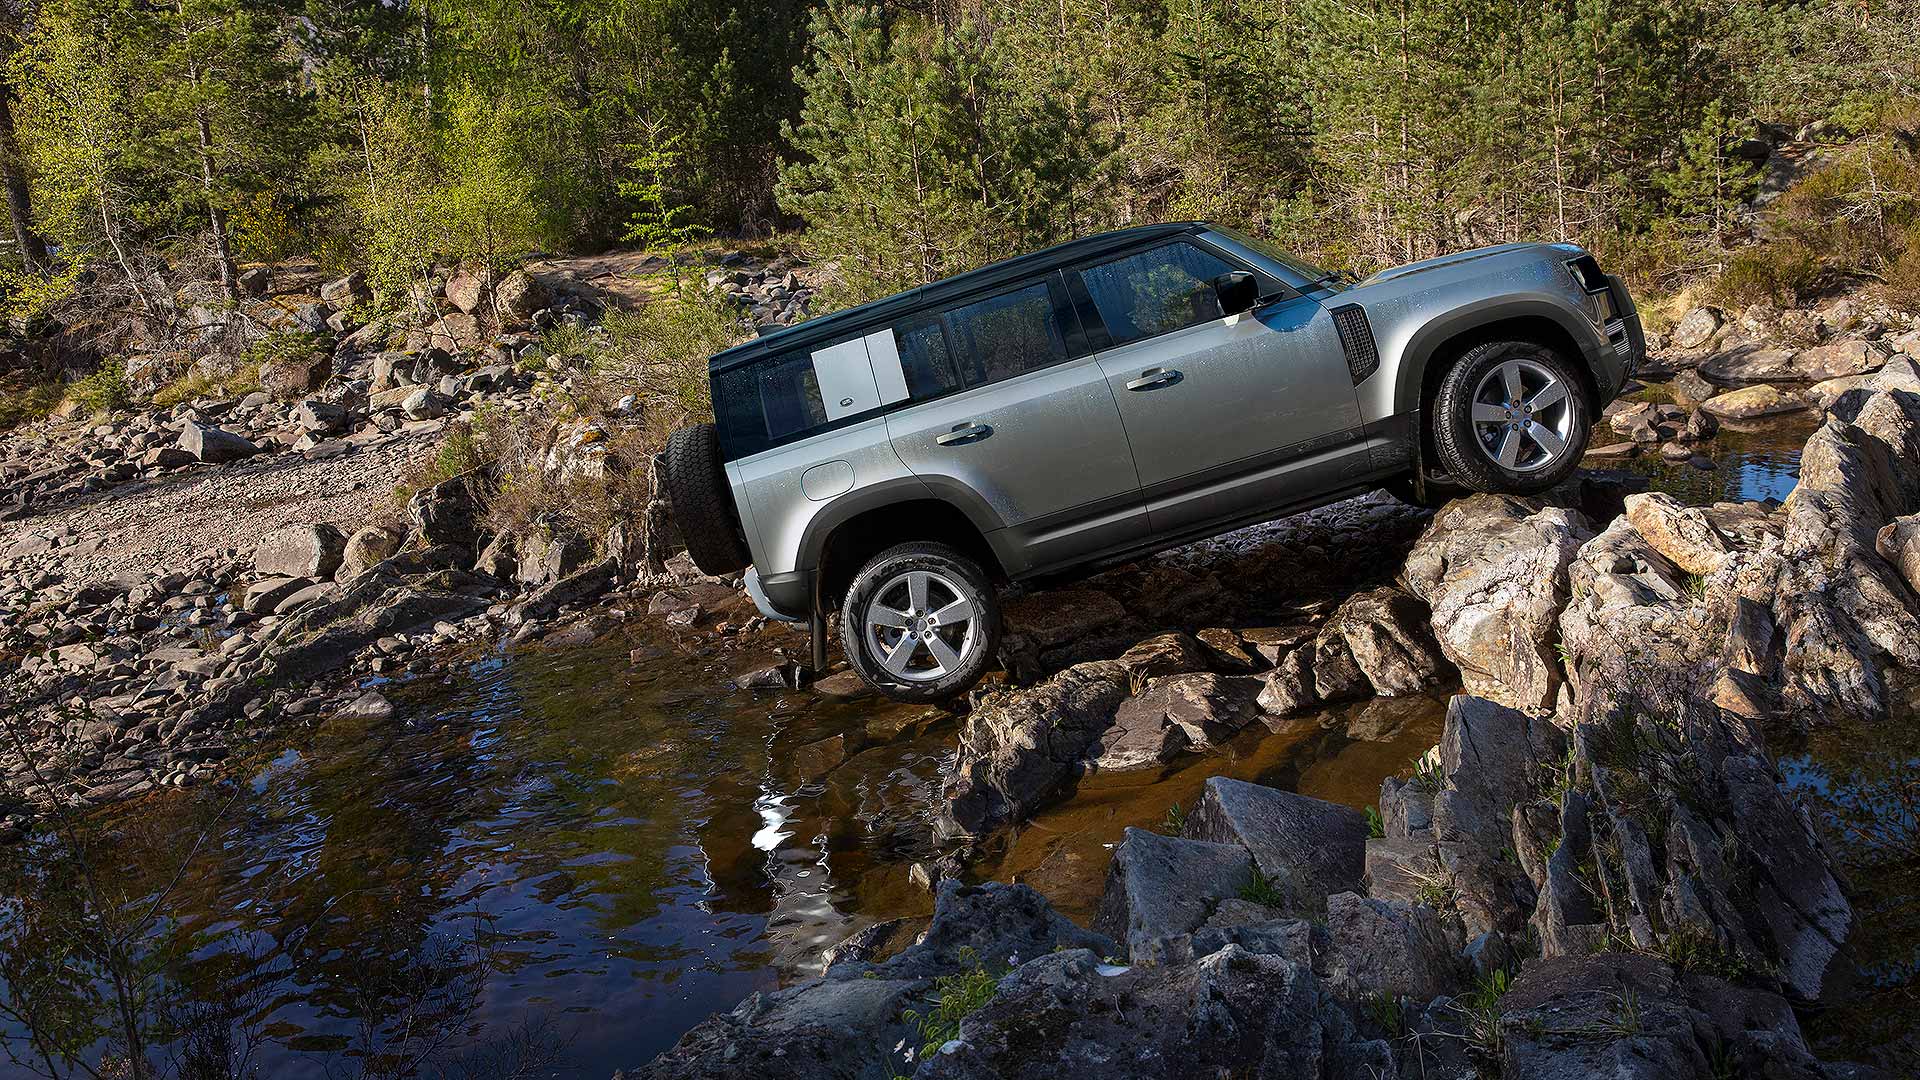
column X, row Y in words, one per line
column 1425, row 344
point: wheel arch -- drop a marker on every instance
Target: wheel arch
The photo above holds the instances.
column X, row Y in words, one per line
column 841, row 546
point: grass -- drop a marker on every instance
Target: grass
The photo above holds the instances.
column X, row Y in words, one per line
column 1482, row 1012
column 103, row 391
column 1176, row 821
column 1696, row 585
column 28, row 403
column 197, row 384
column 1426, row 772
column 464, row 449
column 1388, row 1012
column 1376, row 826
column 1261, row 890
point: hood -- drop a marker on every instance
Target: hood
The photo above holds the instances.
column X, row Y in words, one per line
column 1455, row 259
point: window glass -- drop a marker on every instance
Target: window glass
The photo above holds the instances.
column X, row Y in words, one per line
column 790, row 395
column 1006, row 335
column 925, row 359
column 1155, row 291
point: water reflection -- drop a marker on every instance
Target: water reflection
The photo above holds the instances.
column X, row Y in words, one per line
column 1750, row 463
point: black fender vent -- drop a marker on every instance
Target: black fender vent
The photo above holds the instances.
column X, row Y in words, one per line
column 1356, row 340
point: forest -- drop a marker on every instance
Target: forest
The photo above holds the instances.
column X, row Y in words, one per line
column 151, row 149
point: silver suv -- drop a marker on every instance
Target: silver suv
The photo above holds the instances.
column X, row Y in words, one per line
column 1083, row 405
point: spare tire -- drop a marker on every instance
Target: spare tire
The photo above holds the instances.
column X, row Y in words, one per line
column 703, row 501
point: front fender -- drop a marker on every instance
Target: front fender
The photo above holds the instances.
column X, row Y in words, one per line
column 1424, row 344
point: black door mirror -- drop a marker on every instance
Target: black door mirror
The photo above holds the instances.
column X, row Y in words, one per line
column 1237, row 291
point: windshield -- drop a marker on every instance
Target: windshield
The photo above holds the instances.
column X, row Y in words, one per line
column 1268, row 250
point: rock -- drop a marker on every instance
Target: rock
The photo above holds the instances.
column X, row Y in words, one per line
column 1387, row 635
column 1288, row 690
column 1161, row 888
column 1690, row 388
column 467, row 290
column 518, row 296
column 1305, row 848
column 1751, row 364
column 255, row 281
column 368, row 545
column 1019, row 747
column 1680, row 532
column 1173, row 713
column 1899, row 543
column 213, row 445
column 262, row 597
column 1838, row 359
column 166, row 457
column 1391, row 948
column 290, row 376
column 1696, row 328
column 425, row 404
column 1487, row 755
column 1754, row 401
column 817, row 759
column 1048, row 619
column 1493, row 569
column 347, row 290
column 1174, row 653
column 305, row 551
column 319, row 416
column 315, row 593
column 449, row 512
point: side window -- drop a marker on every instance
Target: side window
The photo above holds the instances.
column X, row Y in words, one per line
column 790, row 395
column 1155, row 292
column 1006, row 335
column 925, row 359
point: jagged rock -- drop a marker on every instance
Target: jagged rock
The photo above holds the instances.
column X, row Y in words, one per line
column 1750, row 363
column 367, row 546
column 1898, row 542
column 1696, row 328
column 1387, row 947
column 1750, row 402
column 1682, row 533
column 1389, row 639
column 1160, row 889
column 307, row 551
column 425, row 404
column 1175, row 653
column 1234, row 1013
column 1838, row 359
column 500, row 558
column 1287, row 690
column 316, row 415
column 467, row 290
column 255, row 281
column 1305, row 848
column 576, row 588
column 1171, row 714
column 1493, row 569
column 518, row 296
column 449, row 512
column 1487, row 755
column 290, row 376
column 1689, row 388
column 213, row 445
column 1019, row 747
column 263, row 597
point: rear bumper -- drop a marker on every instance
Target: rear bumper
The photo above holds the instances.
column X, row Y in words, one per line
column 783, row 597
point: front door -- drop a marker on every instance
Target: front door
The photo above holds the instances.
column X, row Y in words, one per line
column 1035, row 439
column 1226, row 415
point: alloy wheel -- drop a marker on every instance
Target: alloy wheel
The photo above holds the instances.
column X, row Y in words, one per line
column 1522, row 416
column 920, row 626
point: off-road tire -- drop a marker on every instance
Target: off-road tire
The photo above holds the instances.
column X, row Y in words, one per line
column 889, row 566
column 703, row 501
column 1454, row 437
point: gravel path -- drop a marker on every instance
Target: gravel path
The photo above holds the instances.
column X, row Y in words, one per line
column 160, row 524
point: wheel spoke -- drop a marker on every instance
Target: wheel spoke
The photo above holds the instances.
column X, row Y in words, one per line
column 1510, row 448
column 1510, row 374
column 943, row 653
column 959, row 611
column 881, row 615
column 917, row 590
column 1549, row 439
column 1550, row 395
column 901, row 654
column 1484, row 413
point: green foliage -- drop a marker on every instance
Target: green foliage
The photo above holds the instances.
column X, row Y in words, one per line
column 103, row 391
column 1388, row 1012
column 955, row 997
column 659, row 223
column 1262, row 890
column 1482, row 1013
column 1376, row 828
column 1176, row 820
column 27, row 403
column 1778, row 273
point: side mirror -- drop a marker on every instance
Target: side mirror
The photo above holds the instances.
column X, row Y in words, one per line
column 1237, row 291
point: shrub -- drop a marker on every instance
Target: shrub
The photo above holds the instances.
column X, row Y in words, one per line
column 103, row 391
column 28, row 403
column 197, row 383
column 1779, row 273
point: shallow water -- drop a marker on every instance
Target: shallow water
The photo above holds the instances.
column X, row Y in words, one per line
column 1751, row 463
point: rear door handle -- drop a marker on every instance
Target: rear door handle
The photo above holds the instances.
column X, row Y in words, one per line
column 963, row 434
column 1155, row 378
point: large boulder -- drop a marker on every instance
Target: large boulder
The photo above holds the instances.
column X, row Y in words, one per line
column 1750, row 363
column 449, row 512
column 1160, row 889
column 212, row 445
column 1173, row 713
column 309, row 551
column 368, row 546
column 1388, row 636
column 1305, row 848
column 1682, row 533
column 1019, row 748
column 1753, row 402
column 295, row 374
column 518, row 296
column 1696, row 328
column 1494, row 570
column 1389, row 948
column 467, row 290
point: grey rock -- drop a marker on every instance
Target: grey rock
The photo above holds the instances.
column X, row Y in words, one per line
column 213, row 445
column 262, row 597
column 1161, row 888
column 372, row 705
column 1390, row 947
column 305, row 551
column 1306, row 848
column 368, row 546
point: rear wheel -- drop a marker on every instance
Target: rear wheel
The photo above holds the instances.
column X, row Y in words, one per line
column 703, row 501
column 1511, row 416
column 920, row 622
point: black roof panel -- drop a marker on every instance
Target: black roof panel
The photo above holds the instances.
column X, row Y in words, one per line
column 891, row 308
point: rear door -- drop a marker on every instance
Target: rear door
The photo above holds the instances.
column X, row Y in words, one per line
column 1226, row 415
column 1033, row 438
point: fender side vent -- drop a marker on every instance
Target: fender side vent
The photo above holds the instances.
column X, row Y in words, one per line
column 1356, row 340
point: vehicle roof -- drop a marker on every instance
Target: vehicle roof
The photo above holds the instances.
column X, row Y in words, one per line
column 959, row 285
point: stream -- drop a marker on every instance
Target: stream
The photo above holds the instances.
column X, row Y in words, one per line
column 564, row 860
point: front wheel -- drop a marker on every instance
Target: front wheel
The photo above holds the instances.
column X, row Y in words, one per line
column 920, row 622
column 1511, row 416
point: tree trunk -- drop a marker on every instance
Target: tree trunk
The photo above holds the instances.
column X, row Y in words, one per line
column 33, row 250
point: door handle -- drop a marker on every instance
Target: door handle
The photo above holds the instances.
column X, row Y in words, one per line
column 963, row 434
column 1155, row 378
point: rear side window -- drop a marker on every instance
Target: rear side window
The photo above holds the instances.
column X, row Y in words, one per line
column 925, row 359
column 1158, row 291
column 1007, row 335
column 790, row 395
